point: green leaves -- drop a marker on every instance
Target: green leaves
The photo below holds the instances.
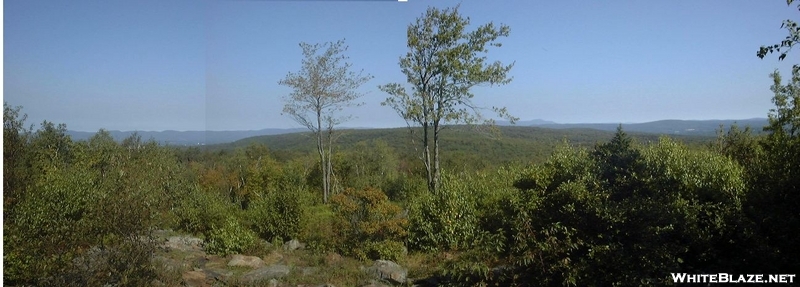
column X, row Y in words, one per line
column 625, row 213
column 446, row 219
column 279, row 214
column 368, row 224
column 787, row 44
column 230, row 238
column 775, row 178
column 94, row 201
column 324, row 86
column 443, row 63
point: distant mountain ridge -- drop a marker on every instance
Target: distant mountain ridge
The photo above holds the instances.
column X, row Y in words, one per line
column 188, row 138
column 667, row 127
column 535, row 122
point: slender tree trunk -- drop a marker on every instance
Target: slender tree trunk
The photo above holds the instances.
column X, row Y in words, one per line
column 329, row 162
column 436, row 172
column 426, row 154
column 322, row 165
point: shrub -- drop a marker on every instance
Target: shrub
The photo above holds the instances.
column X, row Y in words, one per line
column 624, row 214
column 496, row 202
column 444, row 220
column 201, row 210
column 278, row 215
column 404, row 188
column 47, row 230
column 229, row 238
column 368, row 224
column 87, row 221
column 123, row 261
column 387, row 250
column 318, row 232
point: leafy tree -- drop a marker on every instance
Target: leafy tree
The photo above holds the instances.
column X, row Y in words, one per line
column 787, row 44
column 101, row 153
column 740, row 145
column 618, row 163
column 201, row 211
column 16, row 173
column 323, row 87
column 50, row 147
column 784, row 119
column 776, row 179
column 369, row 164
column 443, row 62
column 775, row 182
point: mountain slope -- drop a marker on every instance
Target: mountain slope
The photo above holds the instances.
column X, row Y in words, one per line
column 671, row 127
column 667, row 127
column 515, row 144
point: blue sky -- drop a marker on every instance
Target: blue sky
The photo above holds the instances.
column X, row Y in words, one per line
column 195, row 65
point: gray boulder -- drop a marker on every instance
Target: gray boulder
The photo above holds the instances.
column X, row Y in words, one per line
column 184, row 243
column 388, row 271
column 246, row 261
column 293, row 245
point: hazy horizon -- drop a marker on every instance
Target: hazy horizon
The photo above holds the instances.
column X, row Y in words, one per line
column 345, row 126
column 215, row 65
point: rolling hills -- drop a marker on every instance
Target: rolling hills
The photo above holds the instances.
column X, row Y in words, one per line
column 462, row 143
column 665, row 127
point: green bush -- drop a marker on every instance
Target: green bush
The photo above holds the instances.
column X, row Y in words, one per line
column 319, row 234
column 387, row 250
column 404, row 188
column 230, row 238
column 368, row 225
column 627, row 214
column 444, row 220
column 280, row 215
column 86, row 215
column 496, row 202
column 201, row 210
column 54, row 214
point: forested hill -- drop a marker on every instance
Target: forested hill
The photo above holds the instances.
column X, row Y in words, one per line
column 511, row 144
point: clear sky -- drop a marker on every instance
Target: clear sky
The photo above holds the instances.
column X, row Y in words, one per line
column 196, row 65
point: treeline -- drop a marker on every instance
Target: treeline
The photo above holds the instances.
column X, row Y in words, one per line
column 481, row 148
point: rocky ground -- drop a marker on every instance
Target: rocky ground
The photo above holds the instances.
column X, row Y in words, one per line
column 287, row 265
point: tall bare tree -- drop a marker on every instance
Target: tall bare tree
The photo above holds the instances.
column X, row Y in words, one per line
column 443, row 62
column 323, row 87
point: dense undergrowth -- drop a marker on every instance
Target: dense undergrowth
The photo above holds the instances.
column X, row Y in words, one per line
column 620, row 212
